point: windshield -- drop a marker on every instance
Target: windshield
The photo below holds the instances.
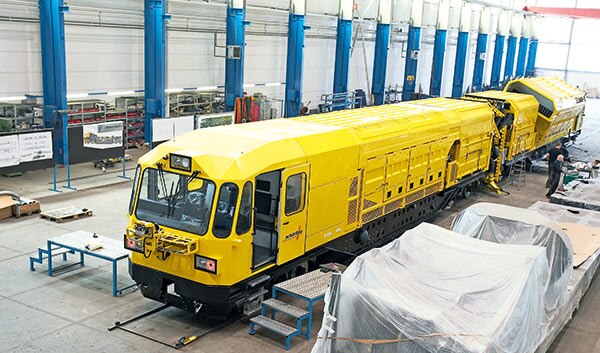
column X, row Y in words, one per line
column 174, row 200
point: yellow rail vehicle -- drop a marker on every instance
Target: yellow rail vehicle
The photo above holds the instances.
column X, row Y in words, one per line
column 216, row 209
column 218, row 214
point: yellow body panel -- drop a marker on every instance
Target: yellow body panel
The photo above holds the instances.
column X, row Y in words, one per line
column 521, row 137
column 561, row 106
column 360, row 164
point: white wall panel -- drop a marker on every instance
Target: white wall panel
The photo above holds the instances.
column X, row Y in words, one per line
column 20, row 59
column 554, row 29
column 104, row 59
column 584, row 58
column 319, row 57
column 191, row 61
column 551, row 56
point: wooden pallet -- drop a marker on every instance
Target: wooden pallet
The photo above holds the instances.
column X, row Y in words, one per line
column 67, row 213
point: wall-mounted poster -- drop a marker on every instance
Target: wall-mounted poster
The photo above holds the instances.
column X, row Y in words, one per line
column 35, row 146
column 217, row 119
column 9, row 150
column 103, row 135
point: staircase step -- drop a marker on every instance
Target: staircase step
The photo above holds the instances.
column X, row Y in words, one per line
column 56, row 251
column 285, row 308
column 275, row 326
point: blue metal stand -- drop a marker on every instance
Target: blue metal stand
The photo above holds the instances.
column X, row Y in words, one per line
column 523, row 46
column 530, row 69
column 437, row 70
column 509, row 66
column 54, row 188
column 480, row 52
column 412, row 62
column 155, row 39
column 497, row 61
column 459, row 64
column 294, row 68
column 234, row 62
column 54, row 73
column 123, row 176
column 342, row 56
column 66, row 154
column 382, row 42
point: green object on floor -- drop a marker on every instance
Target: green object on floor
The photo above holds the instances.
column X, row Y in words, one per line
column 569, row 178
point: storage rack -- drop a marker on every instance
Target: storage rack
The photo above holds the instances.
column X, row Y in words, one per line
column 20, row 116
column 131, row 111
column 269, row 108
column 190, row 103
column 86, row 111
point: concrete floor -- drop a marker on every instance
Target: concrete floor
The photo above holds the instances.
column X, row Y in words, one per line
column 71, row 312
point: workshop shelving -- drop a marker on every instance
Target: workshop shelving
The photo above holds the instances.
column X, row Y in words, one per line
column 191, row 103
column 131, row 111
column 86, row 111
column 20, row 116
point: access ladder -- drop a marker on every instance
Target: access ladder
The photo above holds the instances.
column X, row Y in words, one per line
column 310, row 287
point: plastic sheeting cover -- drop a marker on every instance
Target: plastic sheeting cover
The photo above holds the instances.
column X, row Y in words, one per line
column 436, row 291
column 512, row 225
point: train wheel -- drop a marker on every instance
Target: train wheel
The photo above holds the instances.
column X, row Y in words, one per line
column 466, row 192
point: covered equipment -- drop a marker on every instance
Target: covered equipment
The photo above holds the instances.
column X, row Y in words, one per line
column 511, row 225
column 433, row 290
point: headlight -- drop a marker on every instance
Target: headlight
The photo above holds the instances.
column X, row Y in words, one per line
column 205, row 264
column 181, row 162
column 134, row 244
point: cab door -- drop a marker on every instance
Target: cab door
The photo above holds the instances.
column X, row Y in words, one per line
column 293, row 211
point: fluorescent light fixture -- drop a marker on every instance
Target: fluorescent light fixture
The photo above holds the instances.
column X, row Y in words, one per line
column 273, row 84
column 247, row 85
column 17, row 98
column 207, row 88
column 173, row 90
column 121, row 93
column 77, row 95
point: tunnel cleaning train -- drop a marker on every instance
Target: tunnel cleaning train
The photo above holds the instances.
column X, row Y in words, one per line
column 218, row 215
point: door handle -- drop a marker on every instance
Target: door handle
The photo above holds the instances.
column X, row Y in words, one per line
column 286, row 223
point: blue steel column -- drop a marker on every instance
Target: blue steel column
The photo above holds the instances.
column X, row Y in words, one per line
column 509, row 66
column 54, row 73
column 155, row 39
column 437, row 71
column 412, row 62
column 439, row 48
column 479, row 61
column 294, row 68
column 234, row 67
column 459, row 64
column 382, row 42
column 523, row 45
column 342, row 56
column 531, row 58
column 497, row 61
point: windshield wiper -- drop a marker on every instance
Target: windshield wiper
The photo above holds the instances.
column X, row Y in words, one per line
column 176, row 193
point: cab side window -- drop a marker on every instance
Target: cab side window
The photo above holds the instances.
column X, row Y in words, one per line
column 244, row 220
column 225, row 210
column 295, row 188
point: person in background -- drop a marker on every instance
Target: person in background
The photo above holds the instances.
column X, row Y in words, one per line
column 551, row 157
column 556, row 170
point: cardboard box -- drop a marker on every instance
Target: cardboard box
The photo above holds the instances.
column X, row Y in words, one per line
column 6, row 204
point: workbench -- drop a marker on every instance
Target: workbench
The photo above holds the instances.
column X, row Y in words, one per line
column 83, row 242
